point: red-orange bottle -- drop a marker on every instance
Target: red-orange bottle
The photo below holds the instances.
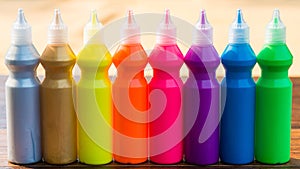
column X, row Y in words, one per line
column 130, row 98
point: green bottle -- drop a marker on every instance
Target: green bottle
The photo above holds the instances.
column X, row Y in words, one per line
column 274, row 97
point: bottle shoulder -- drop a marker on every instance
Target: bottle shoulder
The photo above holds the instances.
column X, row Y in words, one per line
column 21, row 54
column 166, row 56
column 202, row 57
column 275, row 55
column 94, row 55
column 58, row 53
column 237, row 53
column 131, row 55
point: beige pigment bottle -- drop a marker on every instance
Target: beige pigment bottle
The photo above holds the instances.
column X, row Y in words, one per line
column 58, row 117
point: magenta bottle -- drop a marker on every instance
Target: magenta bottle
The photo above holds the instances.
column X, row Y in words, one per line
column 201, row 97
column 166, row 128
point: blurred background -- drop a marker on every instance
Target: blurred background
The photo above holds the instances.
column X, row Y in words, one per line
column 75, row 13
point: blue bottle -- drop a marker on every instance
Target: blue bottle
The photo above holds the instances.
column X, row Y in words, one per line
column 238, row 97
column 22, row 96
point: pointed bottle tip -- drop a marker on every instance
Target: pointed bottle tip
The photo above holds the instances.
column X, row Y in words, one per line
column 21, row 18
column 57, row 20
column 239, row 16
column 239, row 30
column 91, row 28
column 203, row 33
column 167, row 19
column 130, row 17
column 276, row 30
column 130, row 31
column 166, row 30
column 57, row 31
column 203, row 17
column 21, row 30
column 94, row 18
column 276, row 16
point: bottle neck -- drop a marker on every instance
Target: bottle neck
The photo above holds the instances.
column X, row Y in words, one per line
column 275, row 72
column 59, row 75
column 22, row 75
column 239, row 75
column 274, row 75
column 171, row 74
column 94, row 75
column 127, row 75
column 202, row 75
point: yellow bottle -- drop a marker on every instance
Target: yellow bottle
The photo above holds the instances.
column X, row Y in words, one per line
column 94, row 104
column 58, row 117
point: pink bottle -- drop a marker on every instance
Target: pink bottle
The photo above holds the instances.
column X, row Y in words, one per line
column 166, row 124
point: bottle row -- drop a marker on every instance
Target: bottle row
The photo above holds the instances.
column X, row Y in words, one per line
column 166, row 120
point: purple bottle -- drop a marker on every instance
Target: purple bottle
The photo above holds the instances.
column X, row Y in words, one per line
column 201, row 98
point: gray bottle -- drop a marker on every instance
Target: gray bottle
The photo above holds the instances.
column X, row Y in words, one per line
column 22, row 96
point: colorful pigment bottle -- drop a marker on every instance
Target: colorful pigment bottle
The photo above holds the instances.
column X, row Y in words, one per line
column 274, row 97
column 22, row 96
column 166, row 124
column 202, row 60
column 130, row 97
column 58, row 117
column 238, row 96
column 94, row 105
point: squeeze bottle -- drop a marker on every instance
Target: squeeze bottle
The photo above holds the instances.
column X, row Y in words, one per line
column 274, row 97
column 22, row 96
column 166, row 123
column 238, row 96
column 202, row 60
column 130, row 97
column 94, row 105
column 58, row 117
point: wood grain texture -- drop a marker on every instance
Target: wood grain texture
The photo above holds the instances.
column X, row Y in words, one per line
column 295, row 144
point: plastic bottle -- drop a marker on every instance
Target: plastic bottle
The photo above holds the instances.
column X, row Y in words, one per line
column 58, row 116
column 22, row 96
column 274, row 97
column 238, row 96
column 166, row 127
column 202, row 60
column 130, row 97
column 94, row 105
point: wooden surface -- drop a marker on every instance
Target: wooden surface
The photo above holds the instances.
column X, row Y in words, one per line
column 295, row 145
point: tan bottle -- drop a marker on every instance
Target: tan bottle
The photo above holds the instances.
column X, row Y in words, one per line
column 58, row 117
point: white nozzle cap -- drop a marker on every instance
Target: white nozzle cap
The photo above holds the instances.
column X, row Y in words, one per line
column 203, row 32
column 57, row 30
column 130, row 32
column 276, row 30
column 91, row 28
column 239, row 30
column 21, row 30
column 166, row 33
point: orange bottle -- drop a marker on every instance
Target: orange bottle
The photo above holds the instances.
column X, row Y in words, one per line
column 130, row 97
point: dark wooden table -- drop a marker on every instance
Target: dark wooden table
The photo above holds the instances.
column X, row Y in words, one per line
column 295, row 145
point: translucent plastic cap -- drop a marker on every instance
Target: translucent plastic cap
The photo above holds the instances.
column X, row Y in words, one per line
column 276, row 30
column 91, row 28
column 130, row 32
column 239, row 30
column 203, row 33
column 166, row 33
column 21, row 30
column 57, row 30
